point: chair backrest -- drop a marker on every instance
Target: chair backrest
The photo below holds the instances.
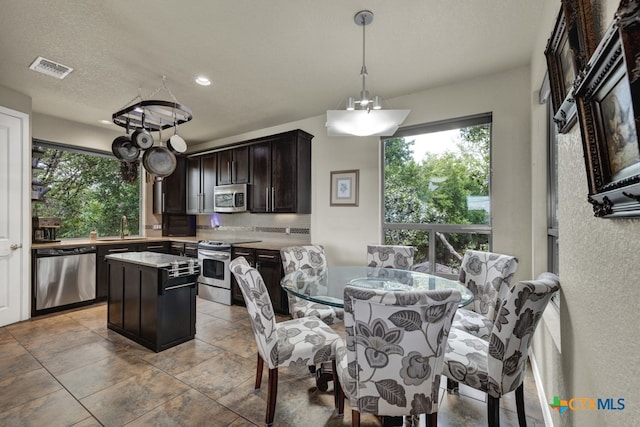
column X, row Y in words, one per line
column 395, row 348
column 256, row 297
column 390, row 256
column 488, row 276
column 297, row 257
column 513, row 331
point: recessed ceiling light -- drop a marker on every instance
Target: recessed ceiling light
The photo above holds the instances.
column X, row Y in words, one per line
column 203, row 81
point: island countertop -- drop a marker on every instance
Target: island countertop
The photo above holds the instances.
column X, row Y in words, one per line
column 149, row 259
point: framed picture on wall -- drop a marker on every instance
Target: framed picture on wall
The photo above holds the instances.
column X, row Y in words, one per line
column 567, row 53
column 344, row 188
column 608, row 102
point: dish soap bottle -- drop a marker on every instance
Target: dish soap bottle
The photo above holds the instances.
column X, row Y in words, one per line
column 93, row 235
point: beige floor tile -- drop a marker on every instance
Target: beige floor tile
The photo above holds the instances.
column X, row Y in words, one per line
column 134, row 397
column 93, row 376
column 21, row 389
column 191, row 408
column 54, row 409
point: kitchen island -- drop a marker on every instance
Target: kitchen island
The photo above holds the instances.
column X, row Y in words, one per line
column 152, row 298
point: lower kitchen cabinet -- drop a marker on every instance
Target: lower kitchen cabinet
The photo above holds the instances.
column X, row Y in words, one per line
column 149, row 306
column 102, row 271
column 269, row 265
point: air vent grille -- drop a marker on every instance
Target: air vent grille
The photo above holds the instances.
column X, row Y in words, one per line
column 50, row 68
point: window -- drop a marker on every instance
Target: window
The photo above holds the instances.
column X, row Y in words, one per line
column 436, row 191
column 552, row 200
column 85, row 189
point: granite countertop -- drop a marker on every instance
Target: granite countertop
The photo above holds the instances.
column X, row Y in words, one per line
column 275, row 245
column 149, row 259
column 67, row 243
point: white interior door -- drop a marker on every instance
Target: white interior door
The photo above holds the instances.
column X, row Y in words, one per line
column 15, row 213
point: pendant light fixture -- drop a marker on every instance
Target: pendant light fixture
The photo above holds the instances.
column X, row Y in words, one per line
column 364, row 115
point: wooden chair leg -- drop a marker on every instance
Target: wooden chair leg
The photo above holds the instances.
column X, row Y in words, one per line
column 452, row 386
column 338, row 393
column 259, row 367
column 522, row 418
column 272, row 392
column 493, row 411
column 355, row 418
column 432, row 420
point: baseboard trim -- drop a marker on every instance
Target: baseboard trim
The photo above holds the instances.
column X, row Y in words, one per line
column 544, row 405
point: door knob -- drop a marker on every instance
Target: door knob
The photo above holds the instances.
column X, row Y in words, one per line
column 16, row 246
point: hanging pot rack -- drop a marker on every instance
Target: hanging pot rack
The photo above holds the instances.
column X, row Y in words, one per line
column 153, row 115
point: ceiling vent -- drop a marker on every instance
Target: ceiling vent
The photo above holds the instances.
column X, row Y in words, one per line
column 50, row 68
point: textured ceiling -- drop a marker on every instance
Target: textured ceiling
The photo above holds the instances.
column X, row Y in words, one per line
column 271, row 62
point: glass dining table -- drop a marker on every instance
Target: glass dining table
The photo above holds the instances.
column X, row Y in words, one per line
column 325, row 285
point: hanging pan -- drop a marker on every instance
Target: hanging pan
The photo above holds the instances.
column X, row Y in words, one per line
column 123, row 148
column 159, row 161
column 142, row 138
column 176, row 144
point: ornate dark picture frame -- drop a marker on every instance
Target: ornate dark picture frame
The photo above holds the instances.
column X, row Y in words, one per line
column 608, row 103
column 568, row 51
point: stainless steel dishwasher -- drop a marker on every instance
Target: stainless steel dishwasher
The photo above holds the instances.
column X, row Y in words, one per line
column 63, row 277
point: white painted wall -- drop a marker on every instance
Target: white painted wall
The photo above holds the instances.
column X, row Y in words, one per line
column 345, row 231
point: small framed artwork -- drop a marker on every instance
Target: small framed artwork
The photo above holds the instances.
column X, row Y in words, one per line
column 608, row 102
column 344, row 188
column 567, row 53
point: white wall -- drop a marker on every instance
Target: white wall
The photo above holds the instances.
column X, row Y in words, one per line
column 345, row 231
column 599, row 340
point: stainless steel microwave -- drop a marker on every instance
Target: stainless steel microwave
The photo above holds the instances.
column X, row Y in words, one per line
column 230, row 198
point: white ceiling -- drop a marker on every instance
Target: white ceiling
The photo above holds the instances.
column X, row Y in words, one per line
column 271, row 62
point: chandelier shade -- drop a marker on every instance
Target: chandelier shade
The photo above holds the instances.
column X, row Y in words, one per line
column 364, row 122
column 364, row 115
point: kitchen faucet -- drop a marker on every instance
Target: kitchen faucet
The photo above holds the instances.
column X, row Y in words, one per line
column 123, row 223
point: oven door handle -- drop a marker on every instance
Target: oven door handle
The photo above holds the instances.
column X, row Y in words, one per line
column 218, row 256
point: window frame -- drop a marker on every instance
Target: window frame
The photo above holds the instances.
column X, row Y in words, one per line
column 99, row 153
column 433, row 228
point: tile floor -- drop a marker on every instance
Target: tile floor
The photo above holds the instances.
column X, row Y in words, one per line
column 68, row 369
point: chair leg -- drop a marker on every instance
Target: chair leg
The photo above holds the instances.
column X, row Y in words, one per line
column 272, row 392
column 522, row 418
column 338, row 394
column 355, row 418
column 259, row 367
column 452, row 386
column 432, row 420
column 493, row 411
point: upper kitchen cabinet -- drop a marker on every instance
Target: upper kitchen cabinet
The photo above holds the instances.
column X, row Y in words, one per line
column 174, row 189
column 233, row 166
column 201, row 178
column 281, row 173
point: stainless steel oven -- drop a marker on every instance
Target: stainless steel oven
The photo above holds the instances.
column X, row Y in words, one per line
column 214, row 282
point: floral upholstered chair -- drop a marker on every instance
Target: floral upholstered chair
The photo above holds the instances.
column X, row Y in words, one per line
column 392, row 359
column 389, row 256
column 497, row 366
column 488, row 276
column 306, row 341
column 308, row 256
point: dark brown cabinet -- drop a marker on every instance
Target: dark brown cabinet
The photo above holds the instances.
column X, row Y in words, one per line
column 281, row 173
column 201, row 178
column 161, row 247
column 174, row 189
column 102, row 271
column 268, row 263
column 150, row 306
column 233, row 166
